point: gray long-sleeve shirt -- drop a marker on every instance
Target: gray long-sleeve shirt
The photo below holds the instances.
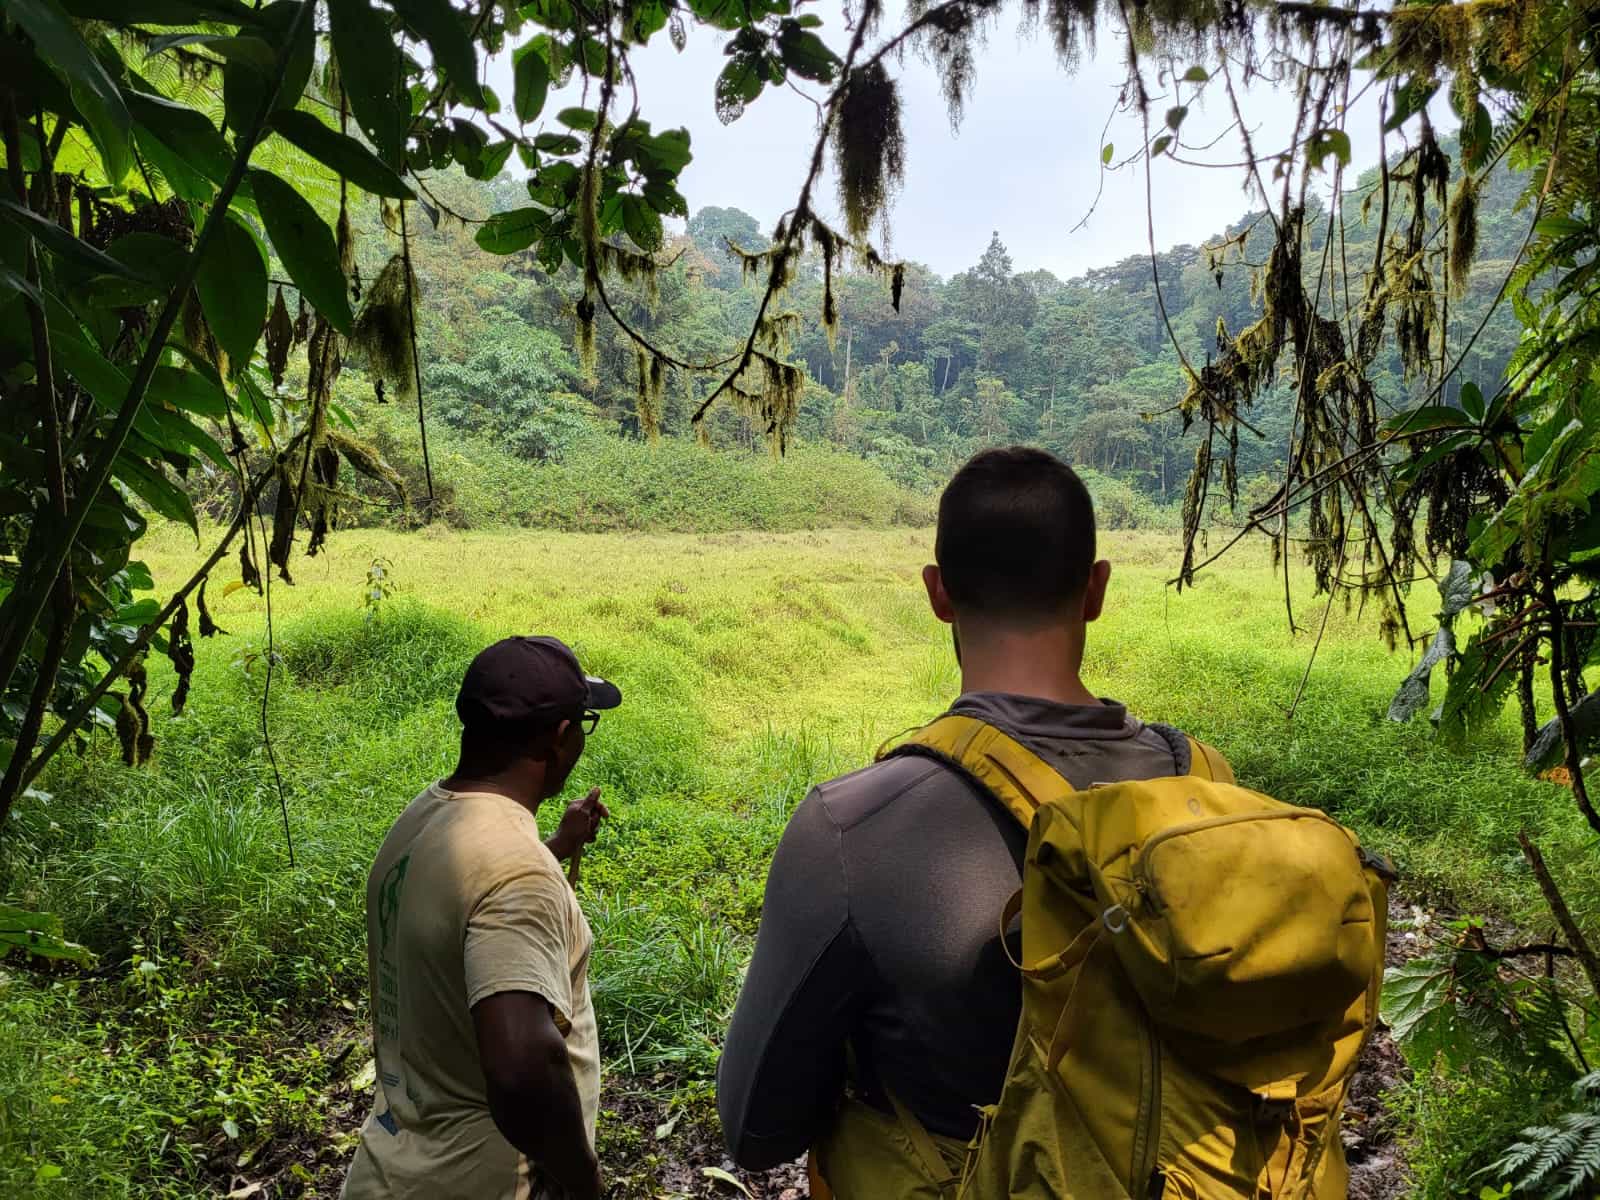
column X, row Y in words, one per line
column 881, row 929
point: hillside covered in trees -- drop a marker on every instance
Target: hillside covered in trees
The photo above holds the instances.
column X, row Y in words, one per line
column 996, row 353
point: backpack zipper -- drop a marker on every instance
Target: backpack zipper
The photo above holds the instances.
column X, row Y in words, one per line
column 1145, row 883
column 1148, row 1122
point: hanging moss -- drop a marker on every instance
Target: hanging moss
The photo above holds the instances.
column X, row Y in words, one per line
column 635, row 268
column 382, row 332
column 645, row 401
column 584, row 311
column 133, row 722
column 367, row 461
column 827, row 245
column 197, row 334
column 345, row 236
column 320, row 496
column 1463, row 232
column 869, row 145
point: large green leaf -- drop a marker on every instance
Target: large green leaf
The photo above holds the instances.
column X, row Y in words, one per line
column 1428, row 416
column 106, row 384
column 63, row 245
column 439, row 24
column 508, row 232
column 189, row 391
column 1475, row 694
column 251, row 51
column 245, row 87
column 642, row 222
column 14, row 283
column 343, row 155
column 162, row 12
column 532, row 75
column 94, row 92
column 167, row 167
column 1416, row 999
column 185, row 131
column 1410, row 99
column 38, row 933
column 153, row 487
column 182, row 435
column 665, row 153
column 808, row 56
column 1549, row 747
column 304, row 242
column 369, row 68
column 1412, row 696
column 493, row 160
column 741, row 82
column 150, row 256
column 232, row 283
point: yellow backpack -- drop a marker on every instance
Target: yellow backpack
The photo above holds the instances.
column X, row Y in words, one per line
column 1200, row 970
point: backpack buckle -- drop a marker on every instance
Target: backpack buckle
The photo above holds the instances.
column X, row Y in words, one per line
column 1378, row 864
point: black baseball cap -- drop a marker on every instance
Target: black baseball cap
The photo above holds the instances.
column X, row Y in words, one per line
column 529, row 683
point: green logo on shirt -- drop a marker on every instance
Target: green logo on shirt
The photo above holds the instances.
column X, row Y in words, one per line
column 389, row 901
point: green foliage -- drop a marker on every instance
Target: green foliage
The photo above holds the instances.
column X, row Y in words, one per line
column 1560, row 1160
column 723, row 643
column 595, row 483
column 38, row 934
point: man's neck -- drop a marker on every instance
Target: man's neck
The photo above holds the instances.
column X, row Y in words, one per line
column 1043, row 663
column 518, row 789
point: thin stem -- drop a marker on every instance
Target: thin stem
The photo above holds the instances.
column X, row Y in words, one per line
column 1558, row 692
column 1563, row 915
column 416, row 355
column 76, row 718
column 38, row 702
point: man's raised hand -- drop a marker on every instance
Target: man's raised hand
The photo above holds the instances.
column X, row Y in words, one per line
column 579, row 825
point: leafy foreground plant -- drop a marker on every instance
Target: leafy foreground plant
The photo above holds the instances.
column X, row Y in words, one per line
column 1559, row 1161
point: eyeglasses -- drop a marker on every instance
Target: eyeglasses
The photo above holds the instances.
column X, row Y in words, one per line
column 589, row 720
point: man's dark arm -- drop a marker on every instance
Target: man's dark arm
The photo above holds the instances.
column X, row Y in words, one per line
column 533, row 1096
column 782, row 1068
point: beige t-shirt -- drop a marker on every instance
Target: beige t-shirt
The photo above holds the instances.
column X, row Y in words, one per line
column 463, row 901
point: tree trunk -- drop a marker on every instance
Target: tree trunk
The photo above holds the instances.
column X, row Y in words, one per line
column 849, row 346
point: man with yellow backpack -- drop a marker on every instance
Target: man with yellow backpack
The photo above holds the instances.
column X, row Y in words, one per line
column 1042, row 949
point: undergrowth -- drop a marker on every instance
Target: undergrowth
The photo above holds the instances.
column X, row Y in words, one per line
column 229, row 999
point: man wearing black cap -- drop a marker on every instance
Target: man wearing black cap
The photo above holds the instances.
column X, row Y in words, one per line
column 487, row 1056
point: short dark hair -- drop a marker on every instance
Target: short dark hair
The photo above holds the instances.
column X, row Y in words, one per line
column 1016, row 535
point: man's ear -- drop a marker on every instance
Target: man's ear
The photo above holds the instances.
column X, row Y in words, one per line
column 553, row 740
column 1094, row 592
column 938, row 598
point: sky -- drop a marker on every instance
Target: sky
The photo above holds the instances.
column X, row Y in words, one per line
column 1024, row 162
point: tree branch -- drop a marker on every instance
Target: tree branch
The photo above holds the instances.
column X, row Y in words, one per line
column 1558, row 906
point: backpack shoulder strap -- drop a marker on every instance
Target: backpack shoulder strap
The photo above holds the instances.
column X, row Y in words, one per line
column 1017, row 777
column 1206, row 762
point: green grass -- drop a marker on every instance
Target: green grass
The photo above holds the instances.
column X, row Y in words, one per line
column 218, row 1024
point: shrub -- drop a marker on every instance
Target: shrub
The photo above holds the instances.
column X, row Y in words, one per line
column 604, row 484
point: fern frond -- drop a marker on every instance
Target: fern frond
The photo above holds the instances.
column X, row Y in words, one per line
column 1581, row 1172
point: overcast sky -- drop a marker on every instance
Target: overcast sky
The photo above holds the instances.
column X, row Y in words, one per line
column 1025, row 160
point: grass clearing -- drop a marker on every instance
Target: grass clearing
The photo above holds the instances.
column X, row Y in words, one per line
column 753, row 665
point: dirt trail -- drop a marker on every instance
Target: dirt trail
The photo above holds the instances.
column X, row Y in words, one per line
column 653, row 1149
